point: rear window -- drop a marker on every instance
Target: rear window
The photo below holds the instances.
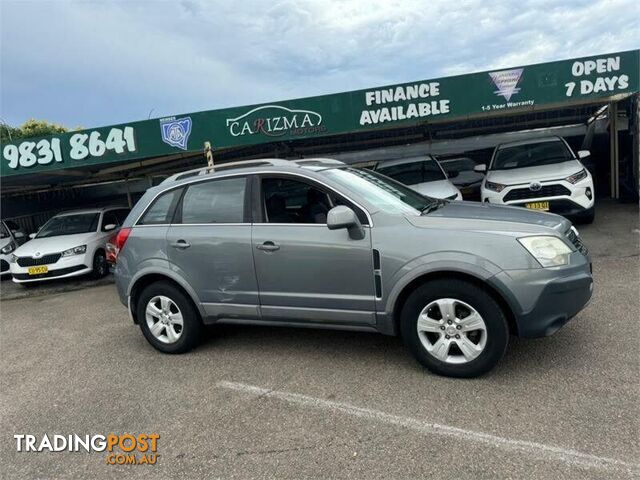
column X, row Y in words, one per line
column 461, row 165
column 414, row 172
column 161, row 210
column 216, row 201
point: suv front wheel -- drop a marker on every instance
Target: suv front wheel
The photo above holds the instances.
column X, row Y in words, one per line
column 168, row 318
column 454, row 328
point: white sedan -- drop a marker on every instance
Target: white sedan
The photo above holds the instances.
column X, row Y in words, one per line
column 422, row 174
column 68, row 245
column 11, row 237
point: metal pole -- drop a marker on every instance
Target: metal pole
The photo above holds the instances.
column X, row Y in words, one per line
column 635, row 138
column 613, row 150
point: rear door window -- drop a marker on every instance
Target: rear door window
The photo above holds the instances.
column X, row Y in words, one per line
column 215, row 201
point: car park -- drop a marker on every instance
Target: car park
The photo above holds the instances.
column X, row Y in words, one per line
column 316, row 243
column 68, row 245
column 463, row 176
column 422, row 174
column 541, row 174
column 11, row 237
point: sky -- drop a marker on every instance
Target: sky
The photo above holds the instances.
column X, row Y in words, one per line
column 93, row 63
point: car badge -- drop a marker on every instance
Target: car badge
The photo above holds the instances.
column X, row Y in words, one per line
column 535, row 186
column 36, row 255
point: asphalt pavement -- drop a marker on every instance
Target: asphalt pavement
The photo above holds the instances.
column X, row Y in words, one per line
column 254, row 402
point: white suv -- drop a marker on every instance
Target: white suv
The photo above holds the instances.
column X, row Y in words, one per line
column 68, row 245
column 542, row 174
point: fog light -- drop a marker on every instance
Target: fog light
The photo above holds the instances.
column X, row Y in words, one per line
column 588, row 193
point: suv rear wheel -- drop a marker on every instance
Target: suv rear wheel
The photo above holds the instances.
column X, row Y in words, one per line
column 168, row 319
column 454, row 328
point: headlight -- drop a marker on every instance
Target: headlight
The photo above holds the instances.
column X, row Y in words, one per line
column 496, row 187
column 8, row 248
column 75, row 251
column 548, row 251
column 576, row 177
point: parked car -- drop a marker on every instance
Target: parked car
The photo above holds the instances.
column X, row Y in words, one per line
column 422, row 174
column 541, row 174
column 316, row 243
column 463, row 176
column 68, row 245
column 11, row 237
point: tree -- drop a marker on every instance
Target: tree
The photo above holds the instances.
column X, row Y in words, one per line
column 30, row 128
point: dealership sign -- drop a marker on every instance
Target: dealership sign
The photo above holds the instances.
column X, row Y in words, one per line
column 519, row 89
column 275, row 121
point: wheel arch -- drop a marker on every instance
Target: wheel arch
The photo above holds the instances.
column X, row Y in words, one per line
column 143, row 281
column 458, row 275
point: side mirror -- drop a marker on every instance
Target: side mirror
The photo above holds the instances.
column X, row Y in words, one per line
column 32, row 235
column 453, row 173
column 482, row 168
column 17, row 234
column 109, row 227
column 583, row 153
column 343, row 217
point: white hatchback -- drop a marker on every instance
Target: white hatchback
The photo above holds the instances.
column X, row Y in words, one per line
column 68, row 245
column 541, row 174
column 423, row 174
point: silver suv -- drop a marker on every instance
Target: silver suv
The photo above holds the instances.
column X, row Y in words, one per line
column 316, row 243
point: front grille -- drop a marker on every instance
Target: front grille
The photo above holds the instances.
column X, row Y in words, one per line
column 554, row 190
column 577, row 242
column 34, row 262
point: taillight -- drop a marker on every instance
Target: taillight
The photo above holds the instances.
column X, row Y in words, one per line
column 110, row 247
column 115, row 245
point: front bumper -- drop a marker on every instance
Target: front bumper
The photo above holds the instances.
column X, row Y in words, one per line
column 575, row 203
column 545, row 299
column 65, row 267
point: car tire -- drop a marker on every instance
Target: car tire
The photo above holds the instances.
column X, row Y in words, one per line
column 476, row 351
column 167, row 338
column 100, row 265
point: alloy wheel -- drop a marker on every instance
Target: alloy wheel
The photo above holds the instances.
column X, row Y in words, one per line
column 452, row 331
column 164, row 319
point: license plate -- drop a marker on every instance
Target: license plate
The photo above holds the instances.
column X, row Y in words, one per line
column 537, row 205
column 38, row 270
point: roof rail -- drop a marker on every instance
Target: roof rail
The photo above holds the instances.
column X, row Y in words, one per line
column 227, row 166
column 318, row 161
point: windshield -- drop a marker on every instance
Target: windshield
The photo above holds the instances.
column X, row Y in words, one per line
column 411, row 173
column 531, row 155
column 69, row 225
column 386, row 194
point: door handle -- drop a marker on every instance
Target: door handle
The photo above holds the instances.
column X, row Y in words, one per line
column 268, row 247
column 181, row 244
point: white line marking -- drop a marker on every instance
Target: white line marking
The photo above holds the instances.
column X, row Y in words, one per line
column 546, row 452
